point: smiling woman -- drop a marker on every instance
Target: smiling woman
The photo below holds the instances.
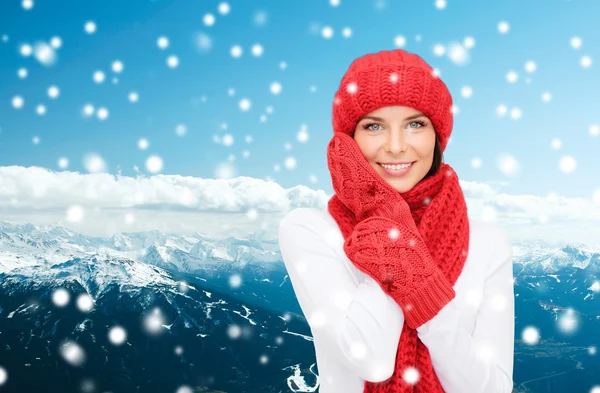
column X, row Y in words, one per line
column 385, row 274
column 400, row 143
column 388, row 269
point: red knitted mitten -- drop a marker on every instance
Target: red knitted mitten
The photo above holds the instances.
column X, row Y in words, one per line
column 388, row 247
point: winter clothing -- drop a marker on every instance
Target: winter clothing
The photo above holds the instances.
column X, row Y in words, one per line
column 356, row 326
column 413, row 245
column 414, row 259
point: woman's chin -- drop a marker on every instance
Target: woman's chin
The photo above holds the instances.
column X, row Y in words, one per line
column 400, row 186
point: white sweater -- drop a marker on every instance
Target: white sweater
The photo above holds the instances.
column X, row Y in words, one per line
column 356, row 326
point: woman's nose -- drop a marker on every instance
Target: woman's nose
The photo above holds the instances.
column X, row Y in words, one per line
column 395, row 142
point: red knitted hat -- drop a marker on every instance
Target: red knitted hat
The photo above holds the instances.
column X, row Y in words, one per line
column 389, row 78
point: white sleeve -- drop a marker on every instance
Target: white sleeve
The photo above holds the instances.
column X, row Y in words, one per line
column 481, row 361
column 353, row 319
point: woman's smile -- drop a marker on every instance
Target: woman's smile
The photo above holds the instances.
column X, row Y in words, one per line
column 395, row 170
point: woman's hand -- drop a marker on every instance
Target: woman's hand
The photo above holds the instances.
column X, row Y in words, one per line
column 398, row 259
column 358, row 186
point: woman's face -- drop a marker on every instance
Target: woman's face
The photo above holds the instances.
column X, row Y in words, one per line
column 394, row 134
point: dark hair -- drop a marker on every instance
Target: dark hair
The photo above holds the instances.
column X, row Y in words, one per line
column 438, row 158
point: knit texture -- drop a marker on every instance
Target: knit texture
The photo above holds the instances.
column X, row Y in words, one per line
column 391, row 78
column 414, row 244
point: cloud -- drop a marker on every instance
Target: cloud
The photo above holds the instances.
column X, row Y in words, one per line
column 243, row 205
column 167, row 202
column 40, row 188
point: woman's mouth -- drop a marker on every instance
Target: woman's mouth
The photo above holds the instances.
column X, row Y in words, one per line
column 396, row 170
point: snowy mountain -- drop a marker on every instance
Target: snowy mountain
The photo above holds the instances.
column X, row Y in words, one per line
column 39, row 245
column 536, row 259
column 242, row 338
column 205, row 286
column 93, row 273
column 557, row 292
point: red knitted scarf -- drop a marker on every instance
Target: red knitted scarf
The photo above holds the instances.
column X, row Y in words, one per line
column 439, row 211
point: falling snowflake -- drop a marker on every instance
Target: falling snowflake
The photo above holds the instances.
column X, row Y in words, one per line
column 508, row 164
column 260, row 18
column 90, row 27
column 117, row 335
column 75, row 213
column 439, row 50
column 236, row 51
column 53, row 92
column 503, row 27
column 172, row 61
column 73, row 353
column 275, row 88
column 302, row 135
column 18, row 102
column 60, row 297
column 546, row 97
column 117, row 66
column 134, row 96
column 63, row 162
column 102, row 113
column 257, row 50
column 85, row 302
column 567, row 164
column 154, row 164
column 458, row 54
column 208, row 19
column 26, row 50
column 585, row 61
column 162, row 42
column 290, row 163
column 98, row 76
column 94, row 163
column 224, row 8
column 512, row 77
column 469, row 42
column 411, row 375
column 45, row 54
column 530, row 66
column 400, row 41
column 327, row 32
column 466, row 92
column 228, row 140
column 245, row 104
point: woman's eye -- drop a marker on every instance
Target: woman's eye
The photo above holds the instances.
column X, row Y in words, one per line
column 420, row 123
column 413, row 124
column 368, row 126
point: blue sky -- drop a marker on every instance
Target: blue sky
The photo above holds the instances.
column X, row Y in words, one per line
column 203, row 92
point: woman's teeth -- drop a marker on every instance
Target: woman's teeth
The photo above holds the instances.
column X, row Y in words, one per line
column 396, row 167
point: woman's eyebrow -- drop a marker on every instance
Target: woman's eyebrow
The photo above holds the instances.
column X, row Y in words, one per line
column 371, row 117
column 416, row 115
